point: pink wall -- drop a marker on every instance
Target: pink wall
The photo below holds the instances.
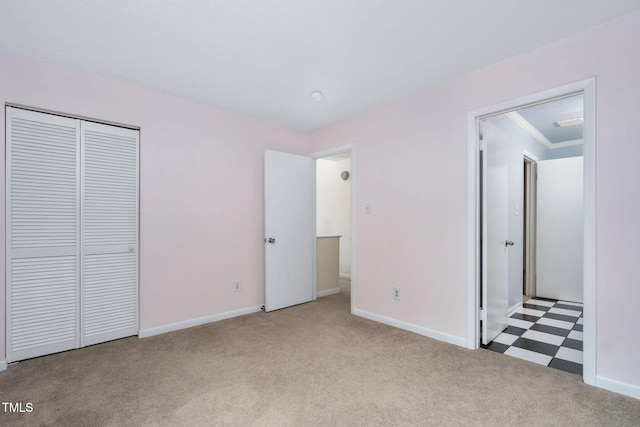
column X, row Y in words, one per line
column 411, row 165
column 201, row 190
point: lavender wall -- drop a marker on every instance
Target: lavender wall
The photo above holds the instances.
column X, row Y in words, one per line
column 201, row 187
column 412, row 167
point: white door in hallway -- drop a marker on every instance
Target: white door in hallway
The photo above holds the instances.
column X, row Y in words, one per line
column 290, row 229
column 495, row 240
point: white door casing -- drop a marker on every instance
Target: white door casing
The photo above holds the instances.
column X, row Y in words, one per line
column 588, row 88
column 560, row 229
column 495, row 259
column 530, row 168
column 290, row 223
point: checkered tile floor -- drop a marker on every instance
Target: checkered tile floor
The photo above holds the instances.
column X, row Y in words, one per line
column 544, row 331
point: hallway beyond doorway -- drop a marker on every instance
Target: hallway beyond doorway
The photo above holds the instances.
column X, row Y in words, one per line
column 546, row 332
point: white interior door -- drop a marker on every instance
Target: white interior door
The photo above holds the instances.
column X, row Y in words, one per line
column 495, row 259
column 42, row 244
column 72, row 233
column 109, row 262
column 290, row 229
column 560, row 229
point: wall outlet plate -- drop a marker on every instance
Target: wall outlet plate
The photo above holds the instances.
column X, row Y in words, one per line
column 396, row 294
column 236, row 286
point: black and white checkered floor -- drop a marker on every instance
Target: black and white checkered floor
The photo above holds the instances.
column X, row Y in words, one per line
column 544, row 331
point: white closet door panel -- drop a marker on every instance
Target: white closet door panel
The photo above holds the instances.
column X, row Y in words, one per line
column 70, row 282
column 42, row 219
column 43, row 180
column 44, row 306
column 110, row 186
column 109, row 233
column 110, row 297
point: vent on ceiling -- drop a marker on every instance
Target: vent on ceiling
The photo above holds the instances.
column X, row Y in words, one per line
column 569, row 122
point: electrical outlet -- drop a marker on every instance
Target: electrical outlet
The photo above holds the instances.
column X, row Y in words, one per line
column 236, row 286
column 396, row 294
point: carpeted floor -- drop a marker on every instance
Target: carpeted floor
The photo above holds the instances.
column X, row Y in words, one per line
column 309, row 365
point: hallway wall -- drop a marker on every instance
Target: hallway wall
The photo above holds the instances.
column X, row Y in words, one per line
column 333, row 201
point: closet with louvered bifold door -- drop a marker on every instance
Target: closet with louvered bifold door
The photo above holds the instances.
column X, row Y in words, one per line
column 71, row 233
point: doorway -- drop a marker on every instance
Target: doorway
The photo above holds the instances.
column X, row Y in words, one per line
column 334, row 221
column 546, row 329
column 290, row 227
column 475, row 270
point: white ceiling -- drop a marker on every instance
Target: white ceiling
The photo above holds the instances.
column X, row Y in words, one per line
column 263, row 58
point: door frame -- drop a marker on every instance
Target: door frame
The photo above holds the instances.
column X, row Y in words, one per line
column 588, row 88
column 531, row 165
column 328, row 153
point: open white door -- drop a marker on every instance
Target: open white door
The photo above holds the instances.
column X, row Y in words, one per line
column 290, row 229
column 560, row 229
column 495, row 242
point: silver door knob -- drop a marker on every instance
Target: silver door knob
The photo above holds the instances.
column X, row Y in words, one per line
column 271, row 240
column 131, row 248
column 509, row 243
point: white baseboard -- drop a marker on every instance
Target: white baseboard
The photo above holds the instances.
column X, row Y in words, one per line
column 3, row 365
column 515, row 308
column 440, row 336
column 149, row 332
column 618, row 387
column 328, row 292
column 345, row 276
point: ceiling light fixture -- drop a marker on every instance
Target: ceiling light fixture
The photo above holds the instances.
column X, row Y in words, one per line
column 569, row 122
column 316, row 95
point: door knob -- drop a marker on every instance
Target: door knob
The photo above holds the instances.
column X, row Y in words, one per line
column 271, row 240
column 509, row 243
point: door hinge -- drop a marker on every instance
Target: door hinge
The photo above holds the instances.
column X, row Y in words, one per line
column 480, row 313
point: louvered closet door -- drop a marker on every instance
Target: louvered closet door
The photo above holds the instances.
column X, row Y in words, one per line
column 42, row 242
column 109, row 250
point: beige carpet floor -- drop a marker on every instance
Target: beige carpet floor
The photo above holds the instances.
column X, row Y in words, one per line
column 309, row 365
